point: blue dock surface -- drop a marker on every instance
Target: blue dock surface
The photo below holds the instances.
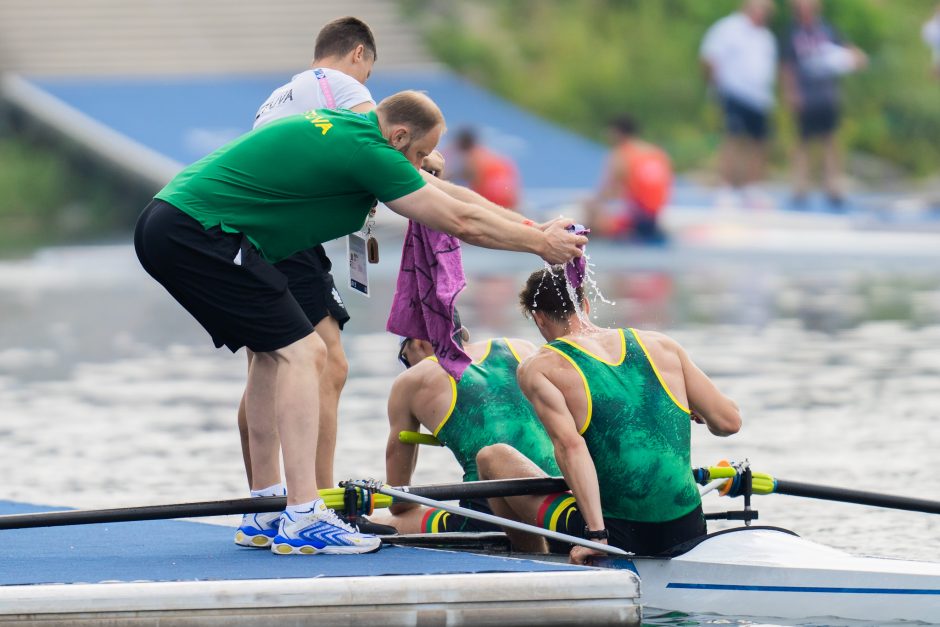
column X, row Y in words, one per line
column 173, row 550
column 188, row 573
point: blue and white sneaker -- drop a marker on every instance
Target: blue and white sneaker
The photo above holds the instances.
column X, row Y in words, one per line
column 320, row 531
column 257, row 530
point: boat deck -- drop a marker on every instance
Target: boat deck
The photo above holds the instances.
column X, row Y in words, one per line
column 186, row 573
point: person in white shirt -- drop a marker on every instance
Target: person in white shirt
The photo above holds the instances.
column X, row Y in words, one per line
column 344, row 54
column 931, row 35
column 739, row 55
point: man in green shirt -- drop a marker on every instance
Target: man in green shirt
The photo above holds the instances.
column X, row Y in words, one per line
column 208, row 236
column 618, row 405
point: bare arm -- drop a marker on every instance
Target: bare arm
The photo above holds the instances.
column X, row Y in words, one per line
column 476, row 225
column 363, row 107
column 400, row 458
column 571, row 451
column 466, row 194
column 708, row 405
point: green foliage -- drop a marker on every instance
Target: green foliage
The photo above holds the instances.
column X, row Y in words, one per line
column 42, row 200
column 579, row 62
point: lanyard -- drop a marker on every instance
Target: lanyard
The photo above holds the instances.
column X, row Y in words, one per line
column 325, row 88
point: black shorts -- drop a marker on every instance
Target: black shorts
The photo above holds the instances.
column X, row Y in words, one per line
column 641, row 538
column 438, row 521
column 743, row 119
column 818, row 120
column 221, row 279
column 309, row 280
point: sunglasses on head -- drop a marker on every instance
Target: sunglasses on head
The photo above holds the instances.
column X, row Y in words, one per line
column 401, row 354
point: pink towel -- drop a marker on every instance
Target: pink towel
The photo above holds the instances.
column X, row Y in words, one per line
column 429, row 280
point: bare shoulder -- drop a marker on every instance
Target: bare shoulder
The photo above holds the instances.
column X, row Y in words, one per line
column 425, row 375
column 660, row 341
column 522, row 348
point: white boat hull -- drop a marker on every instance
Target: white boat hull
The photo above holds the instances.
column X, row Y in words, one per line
column 770, row 572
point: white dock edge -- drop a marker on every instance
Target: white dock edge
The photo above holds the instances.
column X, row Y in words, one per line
column 597, row 597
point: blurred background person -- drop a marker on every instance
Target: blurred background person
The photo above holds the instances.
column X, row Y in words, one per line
column 492, row 175
column 814, row 59
column 739, row 56
column 639, row 176
column 931, row 35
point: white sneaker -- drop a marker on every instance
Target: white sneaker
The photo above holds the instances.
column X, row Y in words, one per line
column 320, row 531
column 257, row 530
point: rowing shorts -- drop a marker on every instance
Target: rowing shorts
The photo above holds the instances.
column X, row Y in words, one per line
column 438, row 521
column 221, row 279
column 309, row 280
column 559, row 512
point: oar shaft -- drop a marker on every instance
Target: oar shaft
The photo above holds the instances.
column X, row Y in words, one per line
column 844, row 495
column 151, row 512
column 488, row 489
column 496, row 520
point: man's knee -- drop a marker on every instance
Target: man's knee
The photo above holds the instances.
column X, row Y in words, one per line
column 307, row 352
column 337, row 367
column 494, row 456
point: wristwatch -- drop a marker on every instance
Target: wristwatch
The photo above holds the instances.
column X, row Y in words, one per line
column 601, row 534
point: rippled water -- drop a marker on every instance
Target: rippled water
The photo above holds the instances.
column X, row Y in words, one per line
column 110, row 395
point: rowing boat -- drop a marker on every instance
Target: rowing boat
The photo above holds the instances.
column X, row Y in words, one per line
column 760, row 572
column 768, row 571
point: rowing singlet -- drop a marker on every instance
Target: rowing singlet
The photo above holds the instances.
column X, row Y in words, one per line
column 489, row 408
column 638, row 435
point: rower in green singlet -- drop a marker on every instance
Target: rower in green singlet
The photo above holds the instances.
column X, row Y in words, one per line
column 618, row 406
column 485, row 407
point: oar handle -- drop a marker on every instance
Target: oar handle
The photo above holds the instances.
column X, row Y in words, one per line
column 413, row 437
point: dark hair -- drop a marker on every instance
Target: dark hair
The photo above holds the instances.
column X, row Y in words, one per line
column 412, row 109
column 624, row 124
column 339, row 37
column 465, row 139
column 547, row 290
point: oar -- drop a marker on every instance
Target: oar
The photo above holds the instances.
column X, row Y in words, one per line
column 495, row 520
column 413, row 437
column 846, row 495
column 334, row 498
column 766, row 484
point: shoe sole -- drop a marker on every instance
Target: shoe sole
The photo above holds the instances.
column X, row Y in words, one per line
column 259, row 541
column 287, row 549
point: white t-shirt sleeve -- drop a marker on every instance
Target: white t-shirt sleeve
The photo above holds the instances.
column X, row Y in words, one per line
column 347, row 91
column 713, row 42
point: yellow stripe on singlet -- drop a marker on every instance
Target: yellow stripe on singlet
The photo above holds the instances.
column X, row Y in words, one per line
column 587, row 388
column 662, row 382
column 512, row 350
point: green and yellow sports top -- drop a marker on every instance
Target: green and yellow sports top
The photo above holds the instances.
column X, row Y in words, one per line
column 638, row 434
column 295, row 182
column 487, row 407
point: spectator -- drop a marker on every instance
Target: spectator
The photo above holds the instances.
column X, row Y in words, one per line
column 489, row 174
column 638, row 174
column 931, row 34
column 739, row 56
column 814, row 58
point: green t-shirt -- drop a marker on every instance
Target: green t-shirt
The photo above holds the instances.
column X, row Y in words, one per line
column 296, row 182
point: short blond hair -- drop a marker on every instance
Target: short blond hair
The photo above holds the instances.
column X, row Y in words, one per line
column 413, row 109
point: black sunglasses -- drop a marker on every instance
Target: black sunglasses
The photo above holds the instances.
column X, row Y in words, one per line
column 401, row 354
